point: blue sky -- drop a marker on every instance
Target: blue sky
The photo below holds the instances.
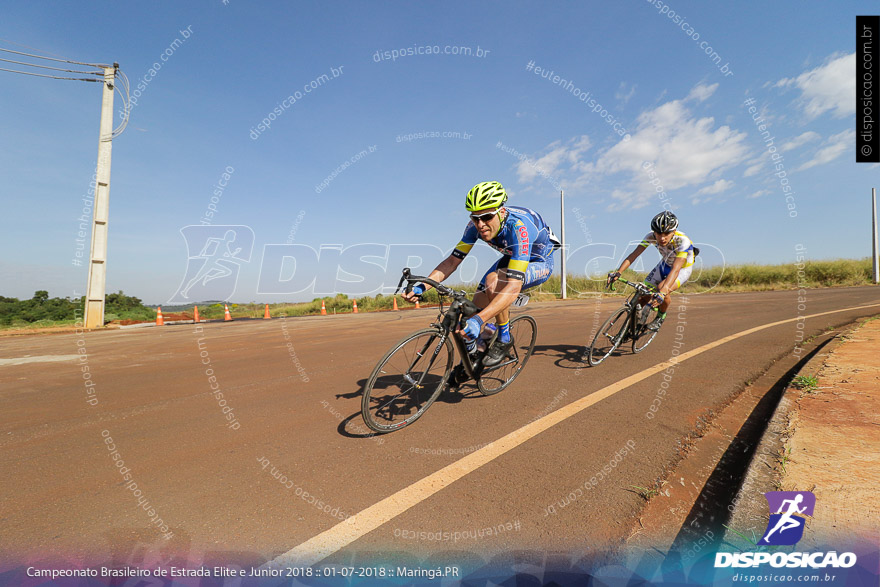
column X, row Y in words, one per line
column 198, row 115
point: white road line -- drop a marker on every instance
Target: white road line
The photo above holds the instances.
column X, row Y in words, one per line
column 341, row 535
column 38, row 359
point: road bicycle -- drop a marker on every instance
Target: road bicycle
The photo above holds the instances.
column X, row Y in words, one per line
column 630, row 322
column 415, row 371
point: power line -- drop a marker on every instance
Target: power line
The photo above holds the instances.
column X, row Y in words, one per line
column 122, row 82
column 77, row 79
column 120, row 78
column 53, row 59
column 30, row 48
column 52, row 68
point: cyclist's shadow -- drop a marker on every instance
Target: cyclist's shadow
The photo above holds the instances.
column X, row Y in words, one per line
column 350, row 427
column 566, row 356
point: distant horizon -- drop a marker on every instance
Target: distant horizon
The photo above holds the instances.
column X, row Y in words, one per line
column 448, row 282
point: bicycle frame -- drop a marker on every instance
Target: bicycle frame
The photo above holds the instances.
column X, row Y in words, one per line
column 448, row 322
column 632, row 303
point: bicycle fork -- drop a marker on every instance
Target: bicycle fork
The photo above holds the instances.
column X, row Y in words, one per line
column 420, row 355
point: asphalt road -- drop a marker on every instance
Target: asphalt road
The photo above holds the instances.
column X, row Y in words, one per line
column 285, row 455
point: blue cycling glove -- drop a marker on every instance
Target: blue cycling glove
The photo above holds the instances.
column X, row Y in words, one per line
column 473, row 327
column 418, row 289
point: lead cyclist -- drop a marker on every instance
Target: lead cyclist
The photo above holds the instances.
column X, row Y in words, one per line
column 677, row 259
column 526, row 244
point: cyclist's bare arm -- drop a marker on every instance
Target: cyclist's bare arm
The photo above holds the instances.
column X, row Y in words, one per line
column 446, row 268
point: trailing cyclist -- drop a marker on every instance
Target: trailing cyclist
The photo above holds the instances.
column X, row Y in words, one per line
column 526, row 244
column 677, row 254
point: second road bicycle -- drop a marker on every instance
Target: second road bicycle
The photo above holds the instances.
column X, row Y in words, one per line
column 629, row 323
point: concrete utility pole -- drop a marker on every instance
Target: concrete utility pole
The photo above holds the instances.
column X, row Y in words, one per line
column 95, row 289
column 562, row 237
column 876, row 262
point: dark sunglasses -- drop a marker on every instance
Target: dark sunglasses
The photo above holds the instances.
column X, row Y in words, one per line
column 484, row 218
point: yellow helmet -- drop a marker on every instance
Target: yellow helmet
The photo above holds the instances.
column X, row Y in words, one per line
column 488, row 194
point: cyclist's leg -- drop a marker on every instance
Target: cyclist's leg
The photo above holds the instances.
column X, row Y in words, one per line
column 499, row 283
column 493, row 283
column 683, row 275
column 655, row 278
column 489, row 282
column 484, row 294
column 496, row 279
column 537, row 273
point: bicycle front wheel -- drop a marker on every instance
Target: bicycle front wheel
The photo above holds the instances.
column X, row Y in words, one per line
column 643, row 336
column 609, row 337
column 407, row 381
column 524, row 331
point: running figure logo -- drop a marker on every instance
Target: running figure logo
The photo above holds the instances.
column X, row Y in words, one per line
column 215, row 254
column 788, row 513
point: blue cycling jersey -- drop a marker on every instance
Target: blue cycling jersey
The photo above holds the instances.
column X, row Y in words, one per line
column 523, row 237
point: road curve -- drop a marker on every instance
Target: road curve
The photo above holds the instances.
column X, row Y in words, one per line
column 283, row 456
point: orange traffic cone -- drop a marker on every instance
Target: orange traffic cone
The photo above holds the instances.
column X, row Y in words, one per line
column 226, row 316
column 266, row 316
column 355, row 306
column 196, row 319
column 417, row 303
column 323, row 308
column 395, row 303
column 159, row 320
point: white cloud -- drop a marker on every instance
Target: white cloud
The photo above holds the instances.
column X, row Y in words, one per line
column 755, row 164
column 834, row 147
column 685, row 150
column 701, row 92
column 623, row 95
column 621, row 198
column 831, row 86
column 800, row 140
column 758, row 194
column 719, row 186
column 558, row 154
column 753, row 170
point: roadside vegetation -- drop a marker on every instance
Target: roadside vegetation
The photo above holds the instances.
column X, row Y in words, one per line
column 42, row 311
column 747, row 277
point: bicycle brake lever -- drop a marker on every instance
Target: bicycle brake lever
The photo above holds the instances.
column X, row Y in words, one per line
column 403, row 278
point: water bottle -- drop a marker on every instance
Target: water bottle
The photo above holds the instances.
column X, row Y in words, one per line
column 485, row 337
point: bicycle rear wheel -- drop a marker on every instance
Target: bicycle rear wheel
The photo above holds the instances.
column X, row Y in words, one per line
column 406, row 381
column 609, row 337
column 524, row 331
column 643, row 336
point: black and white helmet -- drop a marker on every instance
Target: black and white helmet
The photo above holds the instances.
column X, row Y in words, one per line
column 664, row 222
